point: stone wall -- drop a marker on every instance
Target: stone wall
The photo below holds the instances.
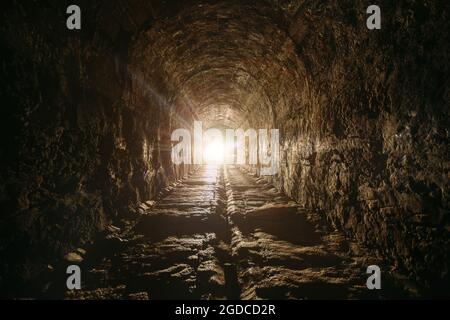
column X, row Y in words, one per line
column 77, row 152
column 368, row 143
column 363, row 115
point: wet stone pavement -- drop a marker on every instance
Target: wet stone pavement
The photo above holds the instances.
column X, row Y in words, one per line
column 225, row 234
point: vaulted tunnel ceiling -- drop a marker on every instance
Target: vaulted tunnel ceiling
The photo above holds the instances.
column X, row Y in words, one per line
column 88, row 117
column 230, row 64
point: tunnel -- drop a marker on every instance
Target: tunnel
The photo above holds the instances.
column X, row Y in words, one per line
column 88, row 176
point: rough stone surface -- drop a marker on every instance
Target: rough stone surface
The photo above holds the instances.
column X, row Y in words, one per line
column 211, row 253
column 87, row 117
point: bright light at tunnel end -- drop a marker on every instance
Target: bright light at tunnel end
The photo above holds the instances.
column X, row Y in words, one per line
column 213, row 152
column 253, row 147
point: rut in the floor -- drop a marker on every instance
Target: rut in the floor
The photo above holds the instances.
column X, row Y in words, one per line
column 223, row 234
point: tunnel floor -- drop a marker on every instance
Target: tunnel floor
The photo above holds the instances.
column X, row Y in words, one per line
column 223, row 233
